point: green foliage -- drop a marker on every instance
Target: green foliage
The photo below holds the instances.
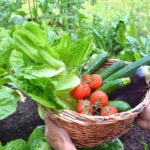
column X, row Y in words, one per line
column 36, row 140
column 115, row 144
column 7, row 8
column 8, row 102
column 109, row 38
column 5, row 47
column 145, row 145
column 120, row 39
column 16, row 145
column 46, row 72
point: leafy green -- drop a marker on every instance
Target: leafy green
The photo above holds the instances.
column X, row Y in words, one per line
column 17, row 62
column 73, row 53
column 145, row 145
column 7, row 9
column 16, row 145
column 109, row 38
column 43, row 71
column 47, row 73
column 115, row 144
column 36, row 140
column 36, row 47
column 120, row 39
column 8, row 102
column 5, row 47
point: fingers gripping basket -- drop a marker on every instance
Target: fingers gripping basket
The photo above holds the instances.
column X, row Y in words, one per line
column 89, row 131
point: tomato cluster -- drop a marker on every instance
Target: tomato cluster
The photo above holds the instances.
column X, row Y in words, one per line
column 92, row 101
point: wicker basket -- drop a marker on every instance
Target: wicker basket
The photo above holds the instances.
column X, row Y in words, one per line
column 89, row 131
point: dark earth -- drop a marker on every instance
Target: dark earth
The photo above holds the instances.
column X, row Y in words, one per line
column 21, row 124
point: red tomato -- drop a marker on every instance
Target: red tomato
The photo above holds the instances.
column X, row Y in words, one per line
column 81, row 91
column 86, row 78
column 95, row 81
column 108, row 110
column 87, row 89
column 84, row 105
column 99, row 99
column 86, row 113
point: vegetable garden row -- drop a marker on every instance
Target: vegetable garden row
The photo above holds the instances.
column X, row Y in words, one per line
column 68, row 62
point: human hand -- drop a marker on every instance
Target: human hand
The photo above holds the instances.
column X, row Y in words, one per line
column 56, row 136
column 143, row 119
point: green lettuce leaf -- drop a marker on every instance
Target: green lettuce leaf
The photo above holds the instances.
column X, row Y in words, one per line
column 73, row 54
column 5, row 47
column 8, row 102
column 28, row 40
column 43, row 71
column 47, row 73
column 17, row 62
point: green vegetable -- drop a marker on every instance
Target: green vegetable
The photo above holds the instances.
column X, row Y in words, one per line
column 115, row 144
column 120, row 105
column 111, row 69
column 115, row 85
column 96, row 63
column 129, row 69
column 47, row 73
column 73, row 54
column 36, row 140
column 5, row 47
column 8, row 102
column 16, row 145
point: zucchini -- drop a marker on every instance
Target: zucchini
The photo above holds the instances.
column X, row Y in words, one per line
column 96, row 63
column 129, row 69
column 111, row 69
column 115, row 85
column 120, row 105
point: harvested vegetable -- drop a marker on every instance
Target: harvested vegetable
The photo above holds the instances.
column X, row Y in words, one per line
column 120, row 105
column 96, row 63
column 111, row 69
column 129, row 69
column 135, row 91
column 94, row 80
column 108, row 110
column 115, row 85
column 99, row 99
column 43, row 71
column 81, row 91
column 84, row 105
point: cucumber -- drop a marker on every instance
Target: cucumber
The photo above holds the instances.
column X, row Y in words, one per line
column 120, row 105
column 111, row 69
column 96, row 63
column 129, row 69
column 115, row 85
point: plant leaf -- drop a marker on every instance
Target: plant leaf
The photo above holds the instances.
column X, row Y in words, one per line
column 8, row 102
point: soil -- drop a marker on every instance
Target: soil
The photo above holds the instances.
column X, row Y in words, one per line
column 21, row 124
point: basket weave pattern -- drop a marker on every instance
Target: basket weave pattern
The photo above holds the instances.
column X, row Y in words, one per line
column 89, row 131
